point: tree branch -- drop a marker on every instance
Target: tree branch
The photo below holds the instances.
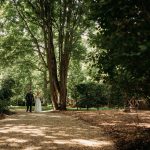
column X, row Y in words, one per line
column 22, row 15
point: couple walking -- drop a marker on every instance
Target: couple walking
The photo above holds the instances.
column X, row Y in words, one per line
column 29, row 100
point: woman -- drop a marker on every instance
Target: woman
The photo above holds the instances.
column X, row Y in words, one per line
column 38, row 107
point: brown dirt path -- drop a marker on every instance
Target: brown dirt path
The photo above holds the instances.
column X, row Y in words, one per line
column 50, row 131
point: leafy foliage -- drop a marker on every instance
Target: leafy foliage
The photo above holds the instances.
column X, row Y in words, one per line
column 50, row 31
column 122, row 39
column 19, row 56
column 6, row 93
column 89, row 95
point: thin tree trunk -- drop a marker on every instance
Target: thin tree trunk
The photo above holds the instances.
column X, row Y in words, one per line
column 46, row 87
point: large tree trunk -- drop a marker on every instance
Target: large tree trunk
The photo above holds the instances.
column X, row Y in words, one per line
column 65, row 42
column 52, row 68
column 46, row 13
column 54, row 94
column 63, row 82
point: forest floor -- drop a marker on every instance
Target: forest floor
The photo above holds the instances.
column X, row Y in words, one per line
column 50, row 131
column 129, row 131
column 76, row 130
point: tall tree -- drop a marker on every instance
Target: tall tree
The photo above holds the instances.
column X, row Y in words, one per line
column 54, row 28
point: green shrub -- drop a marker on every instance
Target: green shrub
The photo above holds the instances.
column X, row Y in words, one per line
column 89, row 95
column 6, row 93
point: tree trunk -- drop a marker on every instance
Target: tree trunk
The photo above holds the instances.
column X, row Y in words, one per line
column 51, row 58
column 63, row 84
column 46, row 88
column 52, row 69
column 54, row 94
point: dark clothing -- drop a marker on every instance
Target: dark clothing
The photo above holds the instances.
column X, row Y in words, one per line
column 29, row 99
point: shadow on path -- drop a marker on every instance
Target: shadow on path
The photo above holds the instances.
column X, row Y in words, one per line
column 50, row 131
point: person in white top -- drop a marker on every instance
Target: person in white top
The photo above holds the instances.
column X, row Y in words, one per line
column 38, row 106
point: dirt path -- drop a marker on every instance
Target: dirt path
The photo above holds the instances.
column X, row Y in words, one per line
column 50, row 131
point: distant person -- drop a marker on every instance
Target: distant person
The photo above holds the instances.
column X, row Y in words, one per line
column 38, row 106
column 29, row 100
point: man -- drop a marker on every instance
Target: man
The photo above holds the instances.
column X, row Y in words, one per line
column 29, row 99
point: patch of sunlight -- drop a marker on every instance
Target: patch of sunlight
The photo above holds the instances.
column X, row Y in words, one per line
column 147, row 125
column 23, row 129
column 44, row 128
column 93, row 143
column 145, row 117
column 4, row 138
column 5, row 128
column 117, row 121
column 94, row 127
column 14, row 144
column 82, row 129
column 43, row 111
column 46, row 142
column 32, row 148
column 8, row 119
column 2, row 142
column 106, row 124
column 131, row 124
column 42, row 114
column 54, row 116
column 50, row 137
column 8, row 125
column 35, row 132
column 61, row 134
column 22, row 116
column 35, row 114
column 16, row 140
column 62, row 142
column 29, row 126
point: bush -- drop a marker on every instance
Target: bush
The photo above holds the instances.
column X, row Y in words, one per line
column 89, row 95
column 6, row 93
column 17, row 101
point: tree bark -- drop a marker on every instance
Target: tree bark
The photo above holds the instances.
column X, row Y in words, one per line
column 52, row 68
column 63, row 83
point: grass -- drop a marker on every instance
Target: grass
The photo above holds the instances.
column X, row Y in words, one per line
column 90, row 109
column 49, row 107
